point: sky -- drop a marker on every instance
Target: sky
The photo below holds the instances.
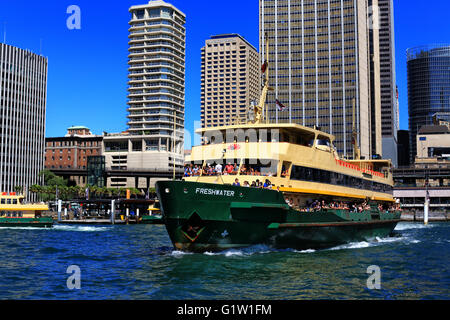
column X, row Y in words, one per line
column 87, row 68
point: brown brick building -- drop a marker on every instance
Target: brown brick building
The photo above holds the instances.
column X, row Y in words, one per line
column 70, row 153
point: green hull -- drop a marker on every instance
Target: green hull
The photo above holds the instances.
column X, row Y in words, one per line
column 203, row 217
column 43, row 222
column 155, row 219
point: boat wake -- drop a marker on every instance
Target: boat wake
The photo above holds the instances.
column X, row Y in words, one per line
column 264, row 249
column 25, row 228
column 78, row 228
column 411, row 225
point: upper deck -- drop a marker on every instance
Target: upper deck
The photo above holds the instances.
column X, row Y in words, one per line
column 15, row 202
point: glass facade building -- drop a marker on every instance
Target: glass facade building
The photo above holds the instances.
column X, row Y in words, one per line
column 428, row 87
column 320, row 64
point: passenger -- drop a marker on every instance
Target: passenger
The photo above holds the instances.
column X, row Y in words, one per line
column 236, row 182
column 267, row 184
column 229, row 168
column 253, row 185
column 291, row 202
column 246, row 184
column 218, row 169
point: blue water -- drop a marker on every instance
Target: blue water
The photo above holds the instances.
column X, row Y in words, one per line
column 138, row 262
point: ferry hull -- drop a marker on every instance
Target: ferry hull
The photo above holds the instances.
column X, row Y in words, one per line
column 203, row 217
column 43, row 222
column 154, row 219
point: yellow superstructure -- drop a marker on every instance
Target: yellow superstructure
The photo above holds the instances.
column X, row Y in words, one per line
column 300, row 161
column 11, row 205
column 293, row 158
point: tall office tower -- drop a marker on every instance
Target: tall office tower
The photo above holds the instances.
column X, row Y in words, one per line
column 23, row 99
column 322, row 59
column 157, row 77
column 389, row 107
column 230, row 79
column 428, row 70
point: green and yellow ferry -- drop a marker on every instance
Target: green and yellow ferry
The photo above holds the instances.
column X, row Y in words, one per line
column 154, row 215
column 15, row 213
column 283, row 185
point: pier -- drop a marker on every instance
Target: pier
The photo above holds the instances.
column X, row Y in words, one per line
column 103, row 211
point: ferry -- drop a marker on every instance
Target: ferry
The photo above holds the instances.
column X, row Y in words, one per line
column 282, row 185
column 15, row 213
column 154, row 216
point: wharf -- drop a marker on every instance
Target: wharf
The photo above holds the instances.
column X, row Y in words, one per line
column 419, row 217
column 92, row 221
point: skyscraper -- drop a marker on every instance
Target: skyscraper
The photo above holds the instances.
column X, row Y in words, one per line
column 23, row 99
column 324, row 58
column 389, row 105
column 230, row 79
column 156, row 74
column 428, row 87
column 156, row 81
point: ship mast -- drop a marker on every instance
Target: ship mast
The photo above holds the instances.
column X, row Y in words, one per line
column 356, row 150
column 265, row 90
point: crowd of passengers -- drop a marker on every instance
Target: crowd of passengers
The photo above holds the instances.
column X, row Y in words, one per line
column 314, row 206
column 228, row 169
column 318, row 205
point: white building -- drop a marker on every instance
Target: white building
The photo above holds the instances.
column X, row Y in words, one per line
column 23, row 99
column 156, row 81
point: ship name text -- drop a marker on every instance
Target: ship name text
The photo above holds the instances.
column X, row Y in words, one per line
column 215, row 192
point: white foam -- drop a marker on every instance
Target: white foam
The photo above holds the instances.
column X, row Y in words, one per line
column 352, row 245
column 305, row 251
column 178, row 253
column 81, row 228
column 410, row 225
column 25, row 228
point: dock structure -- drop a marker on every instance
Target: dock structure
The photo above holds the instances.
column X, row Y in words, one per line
column 103, row 211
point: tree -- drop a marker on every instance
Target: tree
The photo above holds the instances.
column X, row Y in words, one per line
column 51, row 179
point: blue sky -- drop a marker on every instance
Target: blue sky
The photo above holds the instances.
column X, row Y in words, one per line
column 87, row 77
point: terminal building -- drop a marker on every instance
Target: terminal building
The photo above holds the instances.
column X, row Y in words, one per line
column 430, row 173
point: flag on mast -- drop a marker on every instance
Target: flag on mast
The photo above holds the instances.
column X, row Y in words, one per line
column 280, row 106
column 264, row 67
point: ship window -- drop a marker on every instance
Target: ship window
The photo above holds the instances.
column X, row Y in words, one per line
column 285, row 169
column 306, row 140
column 263, row 167
column 14, row 201
column 334, row 178
column 8, row 201
column 3, row 201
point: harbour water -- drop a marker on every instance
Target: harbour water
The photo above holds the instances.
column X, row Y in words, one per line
column 139, row 262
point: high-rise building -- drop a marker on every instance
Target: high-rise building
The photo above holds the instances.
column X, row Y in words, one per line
column 156, row 81
column 324, row 58
column 390, row 123
column 230, row 79
column 156, row 75
column 23, row 99
column 428, row 87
